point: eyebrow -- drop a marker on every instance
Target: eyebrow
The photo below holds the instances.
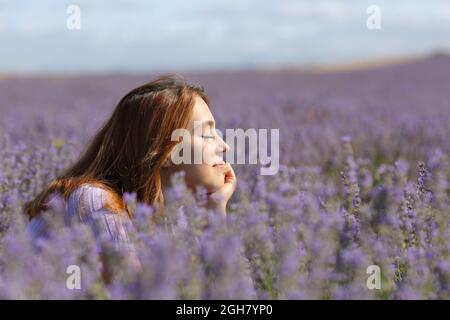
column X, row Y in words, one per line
column 210, row 123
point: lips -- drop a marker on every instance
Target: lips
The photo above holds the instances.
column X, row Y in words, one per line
column 220, row 164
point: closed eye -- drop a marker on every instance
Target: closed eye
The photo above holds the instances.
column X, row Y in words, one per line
column 208, row 137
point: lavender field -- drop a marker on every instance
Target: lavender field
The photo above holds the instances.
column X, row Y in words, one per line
column 364, row 180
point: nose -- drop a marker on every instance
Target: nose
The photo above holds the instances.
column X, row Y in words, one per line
column 223, row 146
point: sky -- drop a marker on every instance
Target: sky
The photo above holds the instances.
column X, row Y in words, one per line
column 180, row 35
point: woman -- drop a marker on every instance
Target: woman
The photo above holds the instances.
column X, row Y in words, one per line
column 132, row 152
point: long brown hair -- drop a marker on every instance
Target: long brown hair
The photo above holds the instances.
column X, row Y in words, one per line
column 127, row 153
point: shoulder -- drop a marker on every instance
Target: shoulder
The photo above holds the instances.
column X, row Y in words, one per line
column 90, row 203
column 89, row 197
column 84, row 203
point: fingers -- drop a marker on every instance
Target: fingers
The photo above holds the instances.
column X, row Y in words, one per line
column 230, row 170
column 230, row 176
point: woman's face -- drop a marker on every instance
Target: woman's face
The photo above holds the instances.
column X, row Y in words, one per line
column 208, row 172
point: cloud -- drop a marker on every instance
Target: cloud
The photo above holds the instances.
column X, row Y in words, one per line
column 119, row 34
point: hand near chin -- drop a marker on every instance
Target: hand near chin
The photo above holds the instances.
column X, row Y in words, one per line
column 218, row 199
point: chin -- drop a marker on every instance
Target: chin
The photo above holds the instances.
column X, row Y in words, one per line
column 208, row 179
column 213, row 186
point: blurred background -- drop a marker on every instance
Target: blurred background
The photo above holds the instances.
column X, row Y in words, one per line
column 378, row 71
column 359, row 91
column 140, row 36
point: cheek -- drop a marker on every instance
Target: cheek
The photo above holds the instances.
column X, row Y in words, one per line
column 205, row 150
column 197, row 149
column 209, row 155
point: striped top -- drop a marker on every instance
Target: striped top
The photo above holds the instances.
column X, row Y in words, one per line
column 87, row 204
